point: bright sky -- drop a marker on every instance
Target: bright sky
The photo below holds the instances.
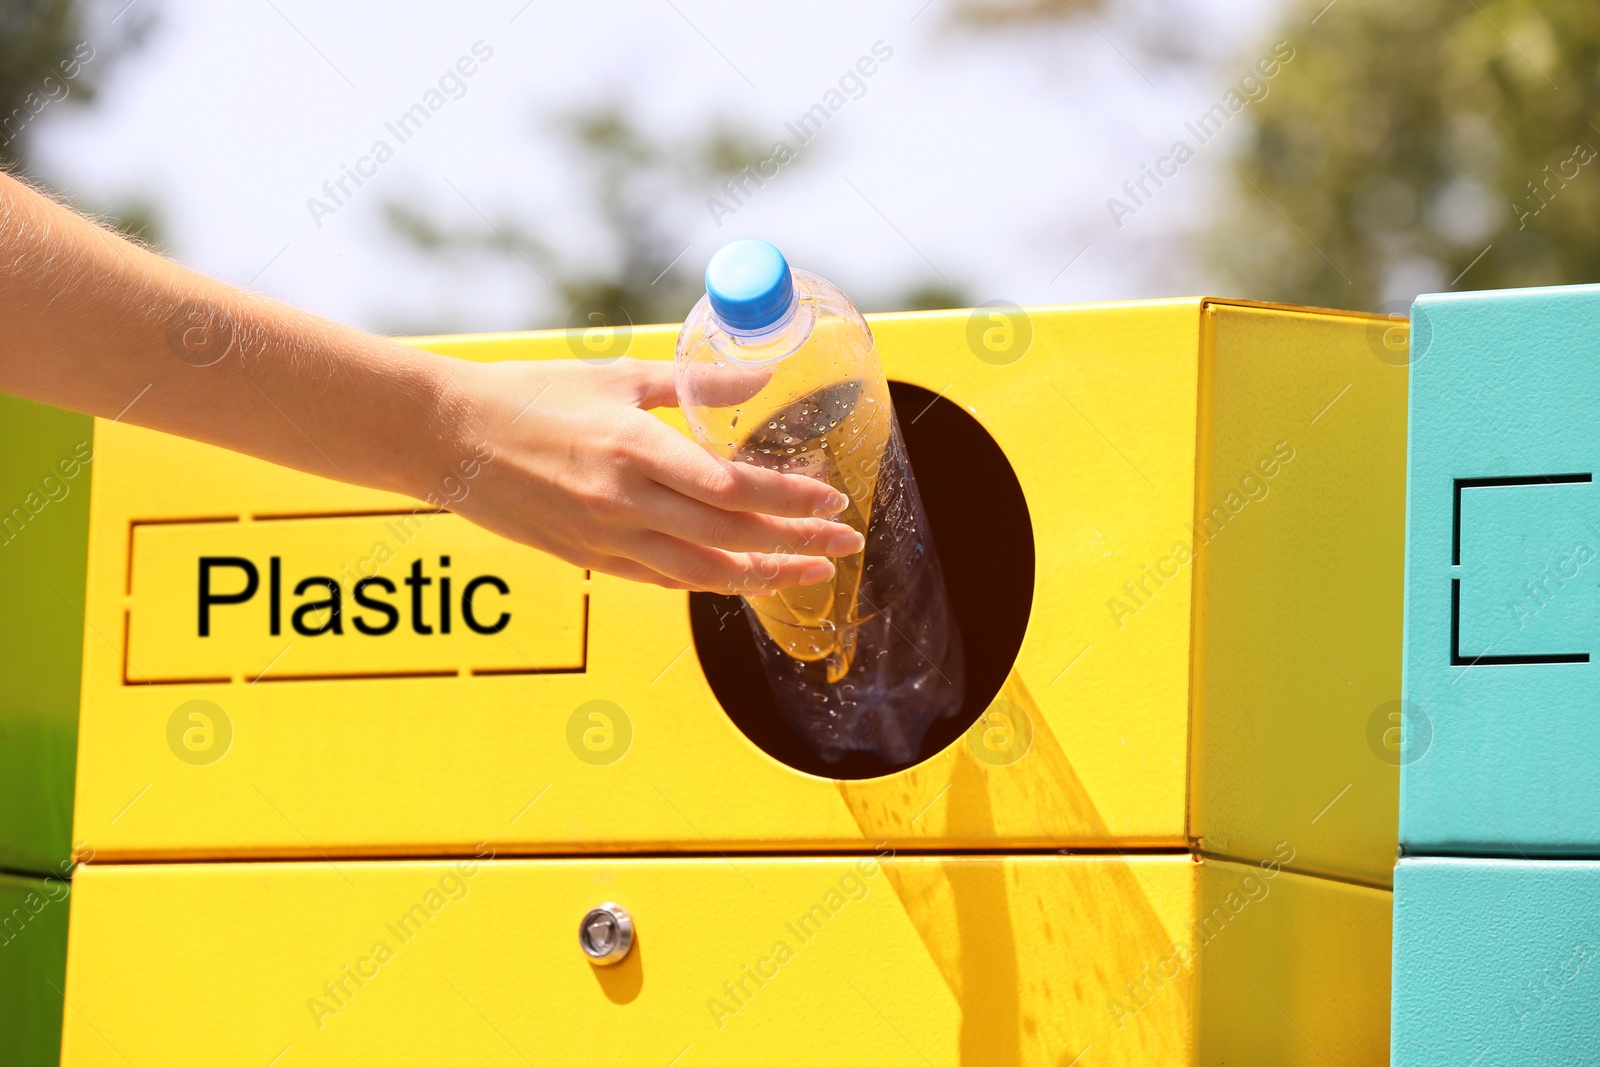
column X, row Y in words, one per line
column 984, row 160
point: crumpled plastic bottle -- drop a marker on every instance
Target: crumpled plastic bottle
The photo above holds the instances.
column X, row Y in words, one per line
column 777, row 368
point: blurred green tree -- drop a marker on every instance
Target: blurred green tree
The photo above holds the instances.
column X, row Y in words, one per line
column 641, row 188
column 1412, row 146
column 1419, row 146
column 1161, row 30
column 645, row 192
column 40, row 67
column 48, row 62
column 927, row 295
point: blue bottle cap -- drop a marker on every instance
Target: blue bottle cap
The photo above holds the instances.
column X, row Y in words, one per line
column 750, row 285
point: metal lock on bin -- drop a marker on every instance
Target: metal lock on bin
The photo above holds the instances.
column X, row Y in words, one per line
column 606, row 934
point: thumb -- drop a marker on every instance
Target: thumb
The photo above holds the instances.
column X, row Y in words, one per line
column 650, row 383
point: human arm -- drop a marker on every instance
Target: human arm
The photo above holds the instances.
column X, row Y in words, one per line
column 579, row 468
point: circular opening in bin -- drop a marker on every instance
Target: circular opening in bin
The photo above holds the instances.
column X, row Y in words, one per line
column 979, row 520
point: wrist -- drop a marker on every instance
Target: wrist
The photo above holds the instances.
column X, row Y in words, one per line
column 424, row 450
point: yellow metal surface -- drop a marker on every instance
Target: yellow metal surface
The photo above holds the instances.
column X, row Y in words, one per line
column 839, row 959
column 1298, row 971
column 1100, row 421
column 1301, row 522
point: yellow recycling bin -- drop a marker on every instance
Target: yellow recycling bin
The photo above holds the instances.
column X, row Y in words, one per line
column 1173, row 536
column 978, row 961
column 1207, row 531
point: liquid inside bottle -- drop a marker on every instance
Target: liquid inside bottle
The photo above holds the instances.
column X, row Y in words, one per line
column 870, row 659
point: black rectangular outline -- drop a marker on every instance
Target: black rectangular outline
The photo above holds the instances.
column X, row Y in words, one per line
column 1514, row 479
column 458, row 672
column 1456, row 658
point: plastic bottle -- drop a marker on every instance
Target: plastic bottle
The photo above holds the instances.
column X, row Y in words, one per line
column 777, row 368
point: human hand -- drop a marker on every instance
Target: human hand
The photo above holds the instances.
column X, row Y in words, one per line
column 579, row 469
column 564, row 455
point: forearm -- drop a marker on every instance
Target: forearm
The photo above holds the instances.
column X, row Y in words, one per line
column 95, row 323
column 92, row 322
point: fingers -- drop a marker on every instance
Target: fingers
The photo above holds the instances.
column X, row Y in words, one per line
column 651, row 383
column 682, row 465
column 648, row 383
column 679, row 464
column 622, row 567
column 713, row 570
column 722, row 385
column 676, row 515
